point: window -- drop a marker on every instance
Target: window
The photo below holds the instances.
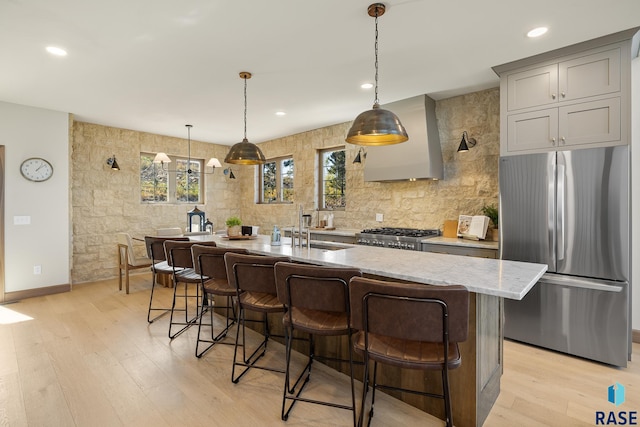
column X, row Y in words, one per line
column 179, row 181
column 332, row 179
column 276, row 177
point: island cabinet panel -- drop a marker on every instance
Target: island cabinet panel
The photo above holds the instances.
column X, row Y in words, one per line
column 475, row 385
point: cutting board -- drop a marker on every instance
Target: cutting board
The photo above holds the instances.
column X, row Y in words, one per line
column 450, row 228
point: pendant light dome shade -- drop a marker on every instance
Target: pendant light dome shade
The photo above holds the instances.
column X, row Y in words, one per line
column 377, row 127
column 244, row 152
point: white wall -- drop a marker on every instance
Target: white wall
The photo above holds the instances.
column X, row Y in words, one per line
column 635, row 193
column 34, row 132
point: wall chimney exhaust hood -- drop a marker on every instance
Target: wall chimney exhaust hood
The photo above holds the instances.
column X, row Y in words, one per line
column 418, row 158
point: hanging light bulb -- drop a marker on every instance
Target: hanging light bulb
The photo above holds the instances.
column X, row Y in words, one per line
column 244, row 152
column 376, row 126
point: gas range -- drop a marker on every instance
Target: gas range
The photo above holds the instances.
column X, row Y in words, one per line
column 398, row 238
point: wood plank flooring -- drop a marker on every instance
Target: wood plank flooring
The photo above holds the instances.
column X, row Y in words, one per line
column 89, row 358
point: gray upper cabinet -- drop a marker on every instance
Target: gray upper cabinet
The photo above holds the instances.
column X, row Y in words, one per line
column 589, row 75
column 575, row 97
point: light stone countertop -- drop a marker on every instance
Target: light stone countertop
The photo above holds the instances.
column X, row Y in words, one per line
column 507, row 279
column 455, row 241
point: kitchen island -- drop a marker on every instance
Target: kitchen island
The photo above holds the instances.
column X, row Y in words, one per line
column 476, row 384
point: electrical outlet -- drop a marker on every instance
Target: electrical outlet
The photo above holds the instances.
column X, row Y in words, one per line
column 37, row 269
column 379, row 217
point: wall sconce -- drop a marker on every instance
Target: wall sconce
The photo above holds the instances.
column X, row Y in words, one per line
column 214, row 163
column 229, row 172
column 111, row 161
column 466, row 143
column 360, row 156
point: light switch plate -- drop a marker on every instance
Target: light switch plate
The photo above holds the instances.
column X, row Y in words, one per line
column 379, row 217
column 21, row 220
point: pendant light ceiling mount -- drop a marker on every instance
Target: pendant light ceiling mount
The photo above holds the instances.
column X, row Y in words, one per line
column 244, row 152
column 376, row 126
column 376, row 10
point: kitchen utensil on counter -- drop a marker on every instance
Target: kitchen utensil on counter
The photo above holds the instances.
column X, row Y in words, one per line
column 306, row 220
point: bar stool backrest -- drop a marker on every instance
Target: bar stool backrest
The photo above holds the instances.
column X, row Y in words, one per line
column 178, row 253
column 314, row 287
column 210, row 261
column 252, row 273
column 155, row 246
column 409, row 311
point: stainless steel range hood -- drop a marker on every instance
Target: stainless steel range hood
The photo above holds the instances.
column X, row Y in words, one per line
column 418, row 158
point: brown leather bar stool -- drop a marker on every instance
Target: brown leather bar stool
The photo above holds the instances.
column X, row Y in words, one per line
column 180, row 259
column 214, row 283
column 411, row 326
column 155, row 251
column 317, row 302
column 254, row 280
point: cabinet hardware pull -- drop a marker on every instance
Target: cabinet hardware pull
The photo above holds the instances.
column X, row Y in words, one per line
column 553, row 96
column 553, row 141
column 563, row 94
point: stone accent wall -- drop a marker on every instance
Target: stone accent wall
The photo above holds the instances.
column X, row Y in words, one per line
column 105, row 202
column 470, row 179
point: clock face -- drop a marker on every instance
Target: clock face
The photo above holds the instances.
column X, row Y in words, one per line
column 36, row 169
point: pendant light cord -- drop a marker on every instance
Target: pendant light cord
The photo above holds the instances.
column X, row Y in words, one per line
column 188, row 152
column 376, row 101
column 245, row 108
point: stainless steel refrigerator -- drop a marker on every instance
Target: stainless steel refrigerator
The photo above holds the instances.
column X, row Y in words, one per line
column 571, row 211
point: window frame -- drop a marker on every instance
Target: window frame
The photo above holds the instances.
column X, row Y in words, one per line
column 279, row 178
column 321, row 200
column 172, row 176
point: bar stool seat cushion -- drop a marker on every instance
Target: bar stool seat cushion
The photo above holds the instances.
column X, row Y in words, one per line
column 219, row 287
column 407, row 354
column 188, row 275
column 318, row 322
column 261, row 301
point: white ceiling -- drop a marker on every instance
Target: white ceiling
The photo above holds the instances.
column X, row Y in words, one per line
column 156, row 65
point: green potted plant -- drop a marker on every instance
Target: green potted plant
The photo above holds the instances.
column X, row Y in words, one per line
column 492, row 212
column 234, row 228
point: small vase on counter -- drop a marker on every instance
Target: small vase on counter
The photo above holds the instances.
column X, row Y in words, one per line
column 275, row 236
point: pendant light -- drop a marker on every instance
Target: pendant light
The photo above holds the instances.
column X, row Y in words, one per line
column 376, row 126
column 244, row 152
column 163, row 158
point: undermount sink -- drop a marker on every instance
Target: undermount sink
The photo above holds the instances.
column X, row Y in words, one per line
column 328, row 246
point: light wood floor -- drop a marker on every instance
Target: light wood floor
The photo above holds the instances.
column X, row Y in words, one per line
column 89, row 358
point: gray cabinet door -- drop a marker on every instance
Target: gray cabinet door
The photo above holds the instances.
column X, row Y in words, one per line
column 589, row 75
column 532, row 88
column 594, row 122
column 536, row 130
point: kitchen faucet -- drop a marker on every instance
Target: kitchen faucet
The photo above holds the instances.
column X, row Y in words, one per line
column 293, row 231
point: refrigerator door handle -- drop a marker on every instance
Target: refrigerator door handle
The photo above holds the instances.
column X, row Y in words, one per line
column 575, row 282
column 561, row 210
column 551, row 210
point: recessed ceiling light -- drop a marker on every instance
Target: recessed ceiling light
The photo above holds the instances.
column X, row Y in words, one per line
column 366, row 85
column 56, row 51
column 537, row 32
column 280, row 113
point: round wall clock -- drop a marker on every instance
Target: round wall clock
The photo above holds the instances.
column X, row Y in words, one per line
column 36, row 169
